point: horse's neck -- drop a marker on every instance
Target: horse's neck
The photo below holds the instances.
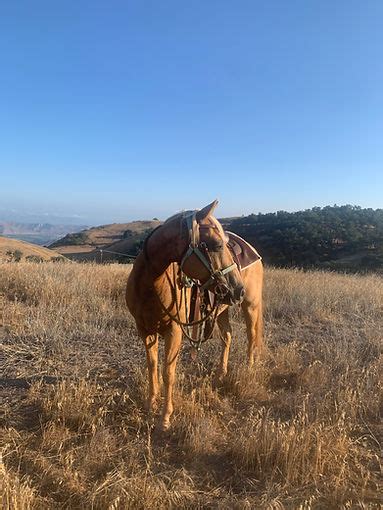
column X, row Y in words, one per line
column 162, row 249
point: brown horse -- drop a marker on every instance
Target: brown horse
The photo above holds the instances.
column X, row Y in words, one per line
column 196, row 242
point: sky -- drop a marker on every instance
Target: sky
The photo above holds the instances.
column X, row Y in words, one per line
column 123, row 110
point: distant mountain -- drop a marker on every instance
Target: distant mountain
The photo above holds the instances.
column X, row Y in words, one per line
column 37, row 233
column 16, row 213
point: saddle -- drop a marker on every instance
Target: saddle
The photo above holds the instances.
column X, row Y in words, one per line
column 243, row 253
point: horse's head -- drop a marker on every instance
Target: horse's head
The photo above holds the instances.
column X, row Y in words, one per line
column 208, row 258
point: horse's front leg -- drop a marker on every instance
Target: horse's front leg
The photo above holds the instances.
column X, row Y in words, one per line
column 172, row 348
column 225, row 335
column 151, row 347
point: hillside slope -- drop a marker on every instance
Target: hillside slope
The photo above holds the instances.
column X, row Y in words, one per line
column 20, row 250
column 343, row 238
column 118, row 237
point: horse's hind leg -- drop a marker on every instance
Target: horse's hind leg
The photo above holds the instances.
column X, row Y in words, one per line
column 151, row 347
column 225, row 335
column 172, row 348
column 254, row 328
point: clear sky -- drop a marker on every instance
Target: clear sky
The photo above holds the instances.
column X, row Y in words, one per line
column 120, row 110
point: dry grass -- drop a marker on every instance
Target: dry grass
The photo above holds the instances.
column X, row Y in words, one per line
column 300, row 430
column 8, row 246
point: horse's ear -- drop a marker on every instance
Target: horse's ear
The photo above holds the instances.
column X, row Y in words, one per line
column 206, row 211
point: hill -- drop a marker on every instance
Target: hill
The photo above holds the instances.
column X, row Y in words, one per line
column 346, row 238
column 343, row 238
column 13, row 249
column 117, row 237
column 302, row 429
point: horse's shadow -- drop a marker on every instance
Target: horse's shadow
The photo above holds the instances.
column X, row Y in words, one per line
column 26, row 382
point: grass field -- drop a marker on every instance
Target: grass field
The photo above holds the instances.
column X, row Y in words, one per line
column 300, row 430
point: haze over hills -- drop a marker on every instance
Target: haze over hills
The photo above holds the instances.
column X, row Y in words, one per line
column 37, row 233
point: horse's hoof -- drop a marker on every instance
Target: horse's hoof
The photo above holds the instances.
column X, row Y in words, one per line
column 164, row 426
column 151, row 406
column 219, row 380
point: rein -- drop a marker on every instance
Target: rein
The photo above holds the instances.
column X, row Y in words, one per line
column 201, row 251
column 202, row 337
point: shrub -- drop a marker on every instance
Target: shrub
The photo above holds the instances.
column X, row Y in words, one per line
column 34, row 258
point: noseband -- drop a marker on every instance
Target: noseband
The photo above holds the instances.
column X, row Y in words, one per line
column 201, row 251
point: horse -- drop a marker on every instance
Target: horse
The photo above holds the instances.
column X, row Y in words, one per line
column 195, row 243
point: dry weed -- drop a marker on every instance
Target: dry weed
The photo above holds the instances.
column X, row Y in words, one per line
column 302, row 429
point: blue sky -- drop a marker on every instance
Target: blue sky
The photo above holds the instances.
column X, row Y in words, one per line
column 119, row 110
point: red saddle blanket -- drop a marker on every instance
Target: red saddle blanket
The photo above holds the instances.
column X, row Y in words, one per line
column 243, row 253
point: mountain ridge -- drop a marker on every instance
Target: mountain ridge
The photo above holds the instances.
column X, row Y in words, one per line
column 122, row 238
column 342, row 238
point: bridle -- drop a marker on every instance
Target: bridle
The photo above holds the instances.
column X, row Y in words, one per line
column 216, row 276
column 201, row 251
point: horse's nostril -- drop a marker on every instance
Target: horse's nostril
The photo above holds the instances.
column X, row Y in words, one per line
column 242, row 295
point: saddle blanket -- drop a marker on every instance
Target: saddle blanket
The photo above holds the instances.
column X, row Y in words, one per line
column 243, row 253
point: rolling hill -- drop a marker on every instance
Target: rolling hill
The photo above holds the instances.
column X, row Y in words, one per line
column 341, row 238
column 13, row 249
column 124, row 238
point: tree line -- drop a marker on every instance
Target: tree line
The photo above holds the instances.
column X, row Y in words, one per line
column 344, row 237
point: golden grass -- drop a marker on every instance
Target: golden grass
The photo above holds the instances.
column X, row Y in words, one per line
column 8, row 245
column 300, row 430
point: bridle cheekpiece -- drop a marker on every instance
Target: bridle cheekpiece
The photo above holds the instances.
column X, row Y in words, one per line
column 201, row 251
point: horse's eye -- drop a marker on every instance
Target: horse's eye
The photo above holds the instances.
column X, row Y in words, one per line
column 217, row 247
